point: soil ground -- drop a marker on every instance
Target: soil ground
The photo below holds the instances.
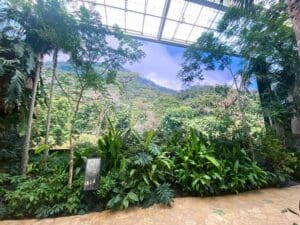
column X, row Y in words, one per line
column 262, row 207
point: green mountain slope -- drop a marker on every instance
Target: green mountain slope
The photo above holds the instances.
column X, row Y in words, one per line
column 143, row 105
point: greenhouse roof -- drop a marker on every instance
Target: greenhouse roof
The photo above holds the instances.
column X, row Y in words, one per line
column 178, row 22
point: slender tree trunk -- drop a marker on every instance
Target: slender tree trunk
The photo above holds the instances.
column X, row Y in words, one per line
column 50, row 106
column 101, row 116
column 294, row 14
column 264, row 89
column 241, row 109
column 25, row 154
column 71, row 160
column 243, row 117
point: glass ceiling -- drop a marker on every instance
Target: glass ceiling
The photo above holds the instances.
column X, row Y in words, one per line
column 169, row 21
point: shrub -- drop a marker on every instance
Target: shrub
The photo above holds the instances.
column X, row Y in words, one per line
column 139, row 177
column 42, row 196
column 207, row 169
column 275, row 158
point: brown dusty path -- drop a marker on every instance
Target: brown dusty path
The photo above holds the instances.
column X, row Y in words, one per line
column 261, row 207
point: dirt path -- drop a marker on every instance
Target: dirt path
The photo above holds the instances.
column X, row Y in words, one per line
column 263, row 207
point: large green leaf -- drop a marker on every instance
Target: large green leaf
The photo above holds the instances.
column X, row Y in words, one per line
column 213, row 160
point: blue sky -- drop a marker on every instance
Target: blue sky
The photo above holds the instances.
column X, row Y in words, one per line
column 162, row 63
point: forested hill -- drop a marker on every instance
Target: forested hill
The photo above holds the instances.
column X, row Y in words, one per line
column 141, row 104
column 125, row 76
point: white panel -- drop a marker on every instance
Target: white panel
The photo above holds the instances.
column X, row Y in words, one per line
column 101, row 10
column 195, row 34
column 134, row 21
column 183, row 32
column 151, row 25
column 115, row 17
column 206, row 17
column 98, row 1
column 217, row 20
column 191, row 13
column 155, row 7
column 169, row 29
column 175, row 10
column 116, row 3
column 136, row 5
column 73, row 6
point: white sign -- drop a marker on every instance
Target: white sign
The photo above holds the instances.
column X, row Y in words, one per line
column 92, row 174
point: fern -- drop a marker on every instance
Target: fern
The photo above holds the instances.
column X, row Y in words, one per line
column 165, row 194
column 142, row 159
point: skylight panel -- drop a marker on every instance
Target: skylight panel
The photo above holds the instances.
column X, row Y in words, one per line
column 74, row 6
column 175, row 9
column 134, row 21
column 217, row 20
column 169, row 29
column 185, row 21
column 115, row 3
column 151, row 25
column 183, row 32
column 101, row 10
column 192, row 12
column 115, row 17
column 206, row 17
column 99, row 1
column 155, row 7
column 136, row 5
column 195, row 34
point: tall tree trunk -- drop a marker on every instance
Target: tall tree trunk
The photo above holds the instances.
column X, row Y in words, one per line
column 99, row 124
column 264, row 89
column 71, row 160
column 50, row 106
column 25, row 153
column 294, row 14
column 239, row 99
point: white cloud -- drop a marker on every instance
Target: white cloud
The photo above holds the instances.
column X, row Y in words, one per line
column 216, row 77
column 62, row 57
column 172, row 84
column 161, row 66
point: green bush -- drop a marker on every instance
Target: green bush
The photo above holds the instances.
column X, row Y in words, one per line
column 276, row 158
column 139, row 177
column 212, row 169
column 42, row 196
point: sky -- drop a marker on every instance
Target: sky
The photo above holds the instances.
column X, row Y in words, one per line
column 162, row 63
